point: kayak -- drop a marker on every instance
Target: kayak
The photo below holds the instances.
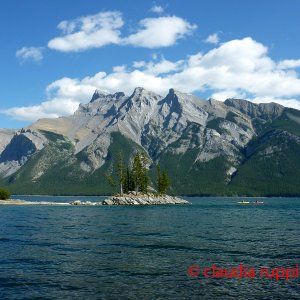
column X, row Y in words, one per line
column 244, row 202
column 258, row 202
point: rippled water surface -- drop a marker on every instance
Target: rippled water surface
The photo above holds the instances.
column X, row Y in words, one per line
column 62, row 252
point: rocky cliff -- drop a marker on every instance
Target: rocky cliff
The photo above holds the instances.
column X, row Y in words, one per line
column 209, row 147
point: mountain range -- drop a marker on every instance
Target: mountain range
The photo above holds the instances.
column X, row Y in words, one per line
column 208, row 147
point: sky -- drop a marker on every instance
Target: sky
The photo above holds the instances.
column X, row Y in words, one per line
column 55, row 53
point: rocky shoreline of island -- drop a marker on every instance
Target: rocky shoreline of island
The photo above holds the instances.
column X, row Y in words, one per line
column 143, row 199
column 126, row 199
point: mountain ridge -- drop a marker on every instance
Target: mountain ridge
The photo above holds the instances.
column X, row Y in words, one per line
column 182, row 132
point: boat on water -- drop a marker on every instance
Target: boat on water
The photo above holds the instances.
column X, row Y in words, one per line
column 248, row 202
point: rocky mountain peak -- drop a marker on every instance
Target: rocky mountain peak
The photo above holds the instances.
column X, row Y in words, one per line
column 253, row 110
column 240, row 104
column 172, row 99
column 98, row 94
column 175, row 93
column 138, row 90
column 119, row 95
column 142, row 96
column 142, row 92
column 201, row 142
column 171, row 92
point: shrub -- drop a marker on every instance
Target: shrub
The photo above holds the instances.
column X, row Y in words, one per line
column 4, row 194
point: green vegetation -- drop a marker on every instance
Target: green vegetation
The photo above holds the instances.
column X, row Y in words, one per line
column 134, row 176
column 60, row 171
column 4, row 194
column 131, row 177
column 287, row 122
column 269, row 166
column 162, row 181
column 191, row 177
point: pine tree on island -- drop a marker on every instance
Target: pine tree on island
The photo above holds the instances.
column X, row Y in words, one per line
column 134, row 177
column 163, row 181
column 121, row 171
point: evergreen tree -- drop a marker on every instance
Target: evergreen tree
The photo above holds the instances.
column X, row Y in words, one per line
column 131, row 179
column 144, row 174
column 4, row 194
column 128, row 181
column 139, row 172
column 109, row 177
column 121, row 172
column 136, row 172
column 162, row 181
column 158, row 179
column 165, row 182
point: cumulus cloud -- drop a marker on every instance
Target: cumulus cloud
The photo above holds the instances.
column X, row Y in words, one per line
column 104, row 28
column 119, row 69
column 30, row 53
column 213, row 39
column 238, row 68
column 160, row 32
column 158, row 68
column 227, row 94
column 139, row 64
column 293, row 103
column 88, row 32
column 289, row 64
column 48, row 109
column 157, row 9
column 63, row 98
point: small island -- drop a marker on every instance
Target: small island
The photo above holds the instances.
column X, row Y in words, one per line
column 143, row 199
column 133, row 182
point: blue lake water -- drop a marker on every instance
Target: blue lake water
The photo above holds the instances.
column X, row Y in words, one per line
column 143, row 252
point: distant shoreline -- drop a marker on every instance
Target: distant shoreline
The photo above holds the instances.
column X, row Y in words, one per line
column 190, row 196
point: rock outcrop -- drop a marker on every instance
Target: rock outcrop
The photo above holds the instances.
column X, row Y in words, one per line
column 89, row 203
column 21, row 146
column 25, row 202
column 143, row 199
column 207, row 147
column 130, row 199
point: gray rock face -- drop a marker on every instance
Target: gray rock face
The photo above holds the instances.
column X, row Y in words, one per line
column 262, row 110
column 176, row 123
column 150, row 120
column 21, row 146
column 141, row 199
column 5, row 137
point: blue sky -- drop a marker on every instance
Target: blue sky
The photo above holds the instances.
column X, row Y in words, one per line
column 54, row 54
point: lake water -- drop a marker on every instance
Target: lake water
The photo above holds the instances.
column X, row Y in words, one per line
column 78, row 252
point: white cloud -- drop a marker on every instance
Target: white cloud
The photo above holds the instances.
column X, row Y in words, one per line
column 47, row 109
column 227, row 94
column 157, row 9
column 293, row 103
column 238, row 68
column 138, row 64
column 102, row 29
column 289, row 64
column 213, row 39
column 158, row 68
column 30, row 53
column 63, row 98
column 88, row 32
column 119, row 69
column 160, row 32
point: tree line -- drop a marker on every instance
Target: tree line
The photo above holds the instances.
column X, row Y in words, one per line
column 4, row 194
column 134, row 176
